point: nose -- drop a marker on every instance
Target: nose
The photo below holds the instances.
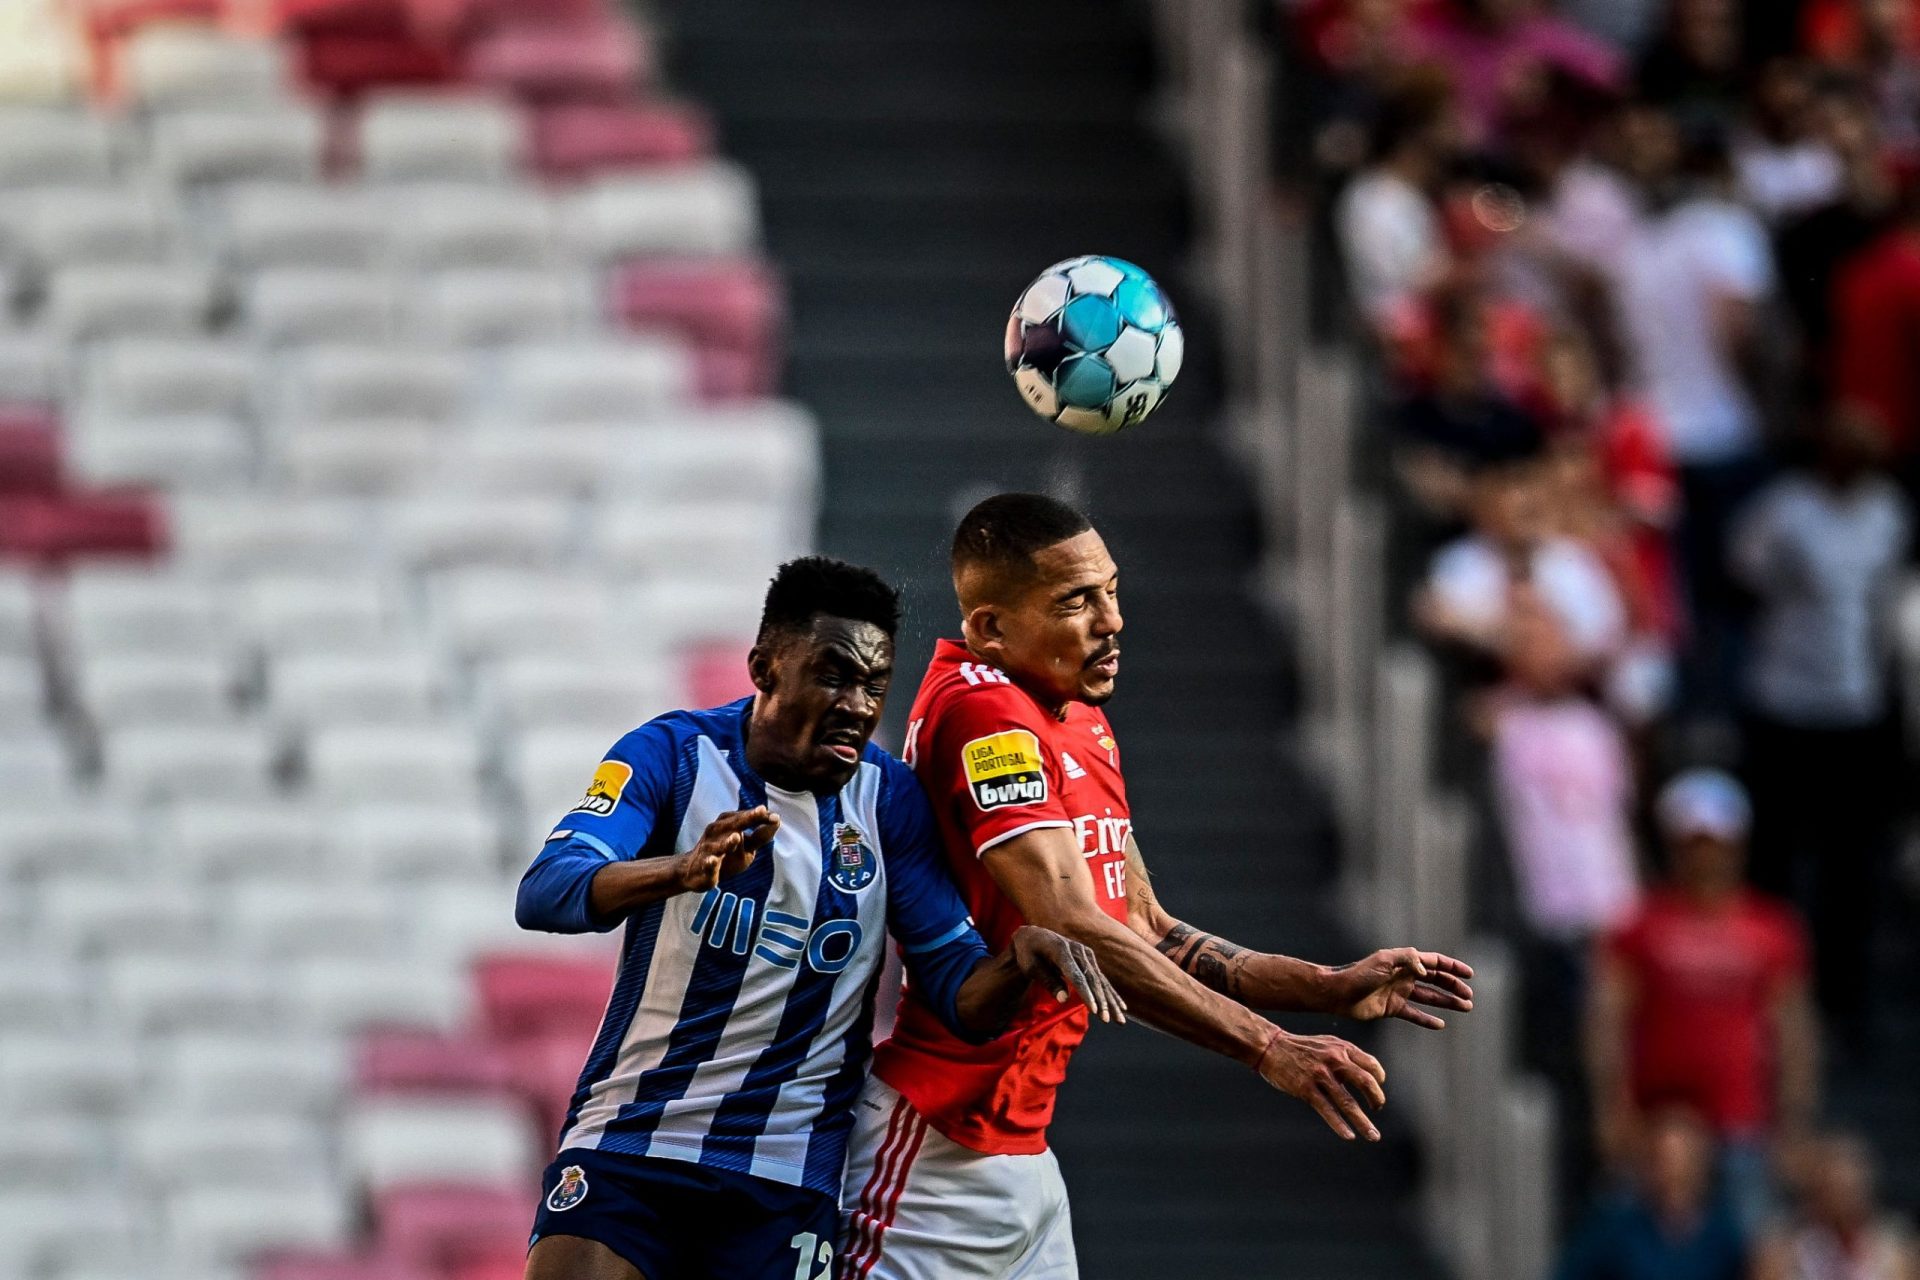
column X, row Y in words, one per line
column 856, row 702
column 1106, row 617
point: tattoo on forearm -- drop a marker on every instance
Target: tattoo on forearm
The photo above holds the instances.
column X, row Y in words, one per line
column 1213, row 961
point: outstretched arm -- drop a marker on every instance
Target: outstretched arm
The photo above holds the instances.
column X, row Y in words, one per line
column 992, row 993
column 1387, row 984
column 1043, row 872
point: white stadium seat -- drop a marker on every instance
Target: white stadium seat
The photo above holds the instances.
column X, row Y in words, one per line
column 673, row 612
column 318, row 613
column 486, row 611
column 410, row 137
column 283, row 918
column 140, row 689
column 168, row 65
column 359, row 455
column 281, row 144
column 438, row 763
column 125, row 611
column 32, row 763
column 20, row 692
column 371, row 686
column 558, row 460
column 276, row 839
column 699, row 209
column 40, row 992
column 550, row 769
column 71, row 835
column 477, row 306
column 98, row 226
column 167, row 1149
column 93, row 912
column 190, row 761
column 735, row 540
column 55, row 148
column 332, row 382
column 457, row 530
column 606, row 688
column 204, row 453
column 347, row 994
column 254, row 533
column 285, row 224
column 249, row 1073
column 55, row 1233
column 51, row 1153
column 322, row 304
column 46, row 1073
column 436, row 227
column 19, row 613
column 88, row 302
column 608, row 380
column 216, row 1225
column 32, row 367
column 393, row 1141
column 163, row 378
column 465, row 918
column 415, row 840
column 152, row 993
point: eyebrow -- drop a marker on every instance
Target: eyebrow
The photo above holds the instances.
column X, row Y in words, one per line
column 1084, row 589
column 841, row 655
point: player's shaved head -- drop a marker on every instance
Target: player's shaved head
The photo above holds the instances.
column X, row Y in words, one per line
column 994, row 548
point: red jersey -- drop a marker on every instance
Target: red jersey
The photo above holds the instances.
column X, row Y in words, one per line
column 1705, row 983
column 995, row 763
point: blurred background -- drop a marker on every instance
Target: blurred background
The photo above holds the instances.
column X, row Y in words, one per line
column 399, row 399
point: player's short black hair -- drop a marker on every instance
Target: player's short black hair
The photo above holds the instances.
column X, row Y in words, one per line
column 806, row 588
column 1003, row 533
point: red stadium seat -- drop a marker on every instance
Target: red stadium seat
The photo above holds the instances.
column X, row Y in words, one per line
column 348, row 63
column 545, row 1071
column 727, row 303
column 337, row 1266
column 576, row 140
column 29, row 451
column 721, row 376
column 397, row 1061
column 362, row 17
column 108, row 18
column 442, row 1226
column 525, row 996
column 595, row 61
column 59, row 528
column 715, row 674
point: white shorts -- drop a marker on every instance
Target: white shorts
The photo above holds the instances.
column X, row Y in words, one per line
column 915, row 1205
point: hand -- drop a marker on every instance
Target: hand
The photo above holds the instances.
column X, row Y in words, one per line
column 1064, row 965
column 726, row 848
column 1325, row 1072
column 1393, row 983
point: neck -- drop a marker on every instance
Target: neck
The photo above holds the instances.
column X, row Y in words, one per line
column 1053, row 704
column 774, row 771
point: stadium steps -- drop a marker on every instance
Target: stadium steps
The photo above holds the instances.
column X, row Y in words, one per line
column 918, row 164
column 1877, row 1097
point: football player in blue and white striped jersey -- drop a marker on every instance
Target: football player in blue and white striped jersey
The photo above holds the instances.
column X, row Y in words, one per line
column 757, row 854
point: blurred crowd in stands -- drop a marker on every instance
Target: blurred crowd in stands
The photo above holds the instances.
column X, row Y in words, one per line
column 1642, row 278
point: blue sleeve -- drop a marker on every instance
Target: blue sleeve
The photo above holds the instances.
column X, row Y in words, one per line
column 630, row 793
column 938, row 942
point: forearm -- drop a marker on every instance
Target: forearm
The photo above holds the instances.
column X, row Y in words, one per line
column 1799, row 1065
column 1256, row 978
column 619, row 889
column 990, row 996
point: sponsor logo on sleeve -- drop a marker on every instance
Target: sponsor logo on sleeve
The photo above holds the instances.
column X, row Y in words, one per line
column 1004, row 769
column 603, row 793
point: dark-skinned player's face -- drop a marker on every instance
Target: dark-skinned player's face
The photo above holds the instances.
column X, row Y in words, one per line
column 821, row 694
column 1058, row 632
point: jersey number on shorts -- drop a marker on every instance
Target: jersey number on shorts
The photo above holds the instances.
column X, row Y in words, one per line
column 812, row 1249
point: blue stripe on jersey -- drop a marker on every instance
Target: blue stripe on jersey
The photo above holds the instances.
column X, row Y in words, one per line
column 742, row 1116
column 712, row 989
column 827, row 1146
column 636, row 959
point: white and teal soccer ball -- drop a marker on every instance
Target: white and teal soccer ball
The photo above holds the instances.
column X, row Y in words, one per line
column 1094, row 345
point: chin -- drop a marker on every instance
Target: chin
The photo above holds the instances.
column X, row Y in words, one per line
column 1097, row 695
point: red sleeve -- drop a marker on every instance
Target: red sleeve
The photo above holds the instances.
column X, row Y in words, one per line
column 1789, row 950
column 986, row 758
column 1626, row 945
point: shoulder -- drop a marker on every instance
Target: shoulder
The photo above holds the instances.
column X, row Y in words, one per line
column 982, row 695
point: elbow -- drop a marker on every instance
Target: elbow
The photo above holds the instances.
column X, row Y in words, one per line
column 534, row 907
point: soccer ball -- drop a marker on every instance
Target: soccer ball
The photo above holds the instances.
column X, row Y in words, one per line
column 1093, row 345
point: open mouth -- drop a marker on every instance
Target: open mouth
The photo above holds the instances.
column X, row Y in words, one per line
column 1107, row 664
column 844, row 743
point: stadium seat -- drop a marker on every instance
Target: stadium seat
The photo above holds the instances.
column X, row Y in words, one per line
column 227, row 1225
column 178, row 66
column 282, row 144
column 40, row 993
column 113, row 611
column 453, row 1222
column 440, row 763
column 91, row 302
column 257, row 225
column 249, row 1072
column 423, row 137
column 459, row 919
column 140, row 689
column 314, row 613
column 615, row 688
column 32, row 368
column 284, row 1265
column 358, row 456
column 550, row 769
column 487, row 611
column 83, row 913
column 254, row 533
column 279, row 917
column 55, row 148
column 32, row 763
column 694, row 539
column 437, row 226
column 422, row 839
column 75, row 835
column 96, row 226
column 484, row 306
column 41, row 67
column 559, row 460
column 429, row 1062
column 191, row 761
column 704, row 209
column 392, row 1141
column 541, row 384
column 21, row 696
column 31, row 460
column 733, row 304
column 154, row 992
column 572, row 141
column 168, row 1149
column 457, row 530
column 322, row 304
column 203, row 453
column 678, row 612
column 530, row 997
column 53, row 1233
column 333, row 382
column 165, row 378
column 591, row 61
column 19, row 614
column 47, row 1073
column 51, row 1153
column 394, row 685
column 349, row 994
column 276, row 839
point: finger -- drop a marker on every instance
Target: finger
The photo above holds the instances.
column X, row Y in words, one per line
column 1420, row 1018
column 1353, row 1077
column 1438, row 999
column 1104, row 999
column 1351, row 1111
column 1447, row 964
column 1077, row 979
column 761, row 836
column 1327, row 1112
column 1448, row 982
column 1110, row 996
column 738, row 820
column 1367, row 1063
column 1411, row 959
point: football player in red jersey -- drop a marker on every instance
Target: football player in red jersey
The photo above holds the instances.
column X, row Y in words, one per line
column 949, row 1172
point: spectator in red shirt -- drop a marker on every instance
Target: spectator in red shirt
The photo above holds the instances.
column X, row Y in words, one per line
column 1876, row 337
column 1701, row 1000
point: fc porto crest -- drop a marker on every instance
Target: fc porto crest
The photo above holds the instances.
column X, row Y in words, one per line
column 570, row 1191
column 851, row 864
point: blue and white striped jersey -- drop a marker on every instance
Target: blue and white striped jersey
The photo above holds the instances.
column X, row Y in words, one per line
column 739, row 1028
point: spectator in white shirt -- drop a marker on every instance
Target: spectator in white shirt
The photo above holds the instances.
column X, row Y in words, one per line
column 1388, row 225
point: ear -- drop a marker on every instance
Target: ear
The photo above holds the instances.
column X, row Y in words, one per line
column 981, row 628
column 760, row 667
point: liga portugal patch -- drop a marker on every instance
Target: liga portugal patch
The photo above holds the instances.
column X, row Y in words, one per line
column 1004, row 769
column 603, row 793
